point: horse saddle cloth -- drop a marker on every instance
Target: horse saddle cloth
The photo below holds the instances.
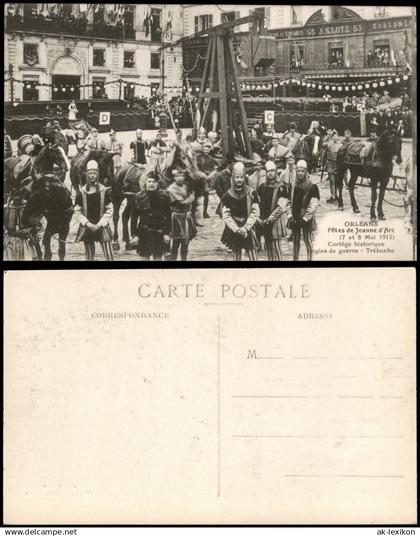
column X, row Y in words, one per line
column 23, row 167
column 356, row 152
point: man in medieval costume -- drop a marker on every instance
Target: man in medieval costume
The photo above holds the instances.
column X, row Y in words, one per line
column 278, row 153
column 303, row 204
column 292, row 135
column 114, row 148
column 93, row 141
column 272, row 223
column 153, row 209
column 207, row 165
column 183, row 229
column 93, row 210
column 240, row 213
column 139, row 147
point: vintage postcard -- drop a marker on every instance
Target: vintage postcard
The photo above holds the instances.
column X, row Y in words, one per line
column 252, row 396
column 210, row 132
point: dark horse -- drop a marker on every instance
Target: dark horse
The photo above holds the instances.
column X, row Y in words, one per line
column 307, row 148
column 375, row 163
column 50, row 198
column 105, row 164
column 50, row 159
column 37, row 196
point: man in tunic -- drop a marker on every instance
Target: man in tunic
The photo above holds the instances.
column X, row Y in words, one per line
column 114, row 147
column 139, row 147
column 207, row 165
column 288, row 175
column 278, row 153
column 272, row 223
column 182, row 224
column 292, row 135
column 153, row 208
column 332, row 147
column 93, row 210
column 304, row 202
column 93, row 141
column 158, row 150
column 240, row 213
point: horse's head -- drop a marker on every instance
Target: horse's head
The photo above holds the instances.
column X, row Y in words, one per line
column 50, row 156
column 105, row 163
column 390, row 144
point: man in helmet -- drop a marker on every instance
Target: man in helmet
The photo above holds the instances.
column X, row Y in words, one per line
column 303, row 204
column 93, row 209
column 240, row 213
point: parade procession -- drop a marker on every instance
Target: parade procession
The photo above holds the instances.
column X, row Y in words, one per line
column 196, row 132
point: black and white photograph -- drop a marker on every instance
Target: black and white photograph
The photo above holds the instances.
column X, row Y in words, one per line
column 209, row 132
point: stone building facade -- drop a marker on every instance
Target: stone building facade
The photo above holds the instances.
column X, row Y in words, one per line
column 54, row 65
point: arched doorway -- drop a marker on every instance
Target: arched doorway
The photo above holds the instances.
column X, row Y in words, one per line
column 65, row 79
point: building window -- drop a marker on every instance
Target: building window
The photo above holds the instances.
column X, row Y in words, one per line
column 261, row 24
column 30, row 54
column 98, row 88
column 156, row 25
column 29, row 10
column 129, row 92
column 155, row 60
column 381, row 53
column 30, row 89
column 380, row 11
column 129, row 62
column 336, row 55
column 203, row 22
column 154, row 88
column 230, row 16
column 98, row 14
column 129, row 31
column 296, row 57
column 98, row 57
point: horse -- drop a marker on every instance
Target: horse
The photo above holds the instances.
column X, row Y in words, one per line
column 128, row 181
column 52, row 200
column 375, row 163
column 21, row 175
column 19, row 168
column 78, row 167
column 307, row 148
column 60, row 138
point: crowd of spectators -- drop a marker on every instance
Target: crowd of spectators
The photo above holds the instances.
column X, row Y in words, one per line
column 398, row 118
column 380, row 57
column 180, row 107
column 65, row 23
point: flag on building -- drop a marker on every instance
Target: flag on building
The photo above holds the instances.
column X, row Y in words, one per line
column 392, row 58
column 168, row 29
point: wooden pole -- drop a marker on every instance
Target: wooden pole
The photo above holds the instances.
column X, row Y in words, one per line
column 224, row 126
column 11, row 82
column 243, row 119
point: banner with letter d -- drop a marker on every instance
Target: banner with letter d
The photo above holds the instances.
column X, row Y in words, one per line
column 104, row 118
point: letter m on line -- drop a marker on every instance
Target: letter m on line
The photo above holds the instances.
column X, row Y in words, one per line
column 252, row 354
